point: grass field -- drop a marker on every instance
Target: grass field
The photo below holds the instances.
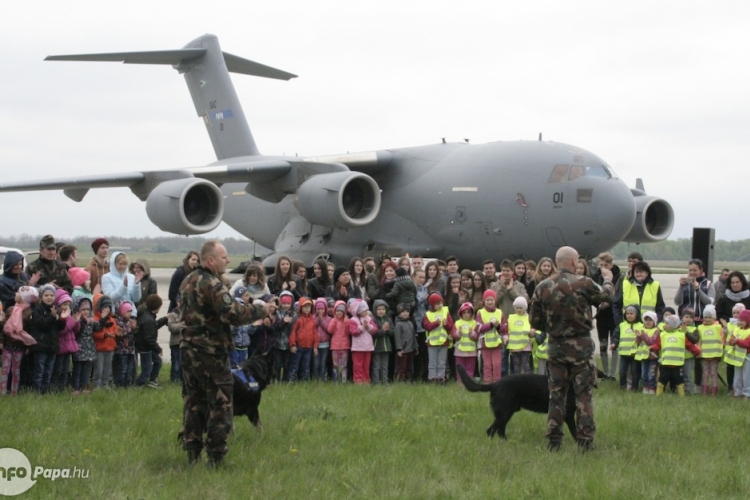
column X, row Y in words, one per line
column 396, row 441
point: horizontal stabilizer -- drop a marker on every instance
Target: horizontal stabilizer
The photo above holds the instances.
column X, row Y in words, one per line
column 236, row 64
column 149, row 57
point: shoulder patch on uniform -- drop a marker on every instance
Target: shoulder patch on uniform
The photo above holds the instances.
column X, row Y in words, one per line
column 227, row 299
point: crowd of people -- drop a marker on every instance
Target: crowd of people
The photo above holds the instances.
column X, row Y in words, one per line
column 405, row 319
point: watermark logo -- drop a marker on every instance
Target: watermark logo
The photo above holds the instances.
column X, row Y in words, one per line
column 15, row 472
column 17, row 475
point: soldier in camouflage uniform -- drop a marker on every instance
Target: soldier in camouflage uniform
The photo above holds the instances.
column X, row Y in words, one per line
column 561, row 307
column 208, row 310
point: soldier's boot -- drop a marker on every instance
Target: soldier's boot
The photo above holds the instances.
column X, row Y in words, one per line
column 605, row 363
column 214, row 462
column 194, row 456
column 659, row 389
column 585, row 445
column 681, row 389
column 704, row 390
column 554, row 445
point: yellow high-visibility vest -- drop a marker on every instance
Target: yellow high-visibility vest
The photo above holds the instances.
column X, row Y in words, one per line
column 735, row 355
column 465, row 328
column 439, row 335
column 643, row 349
column 492, row 338
column 541, row 350
column 711, row 341
column 518, row 332
column 647, row 301
column 627, row 338
column 672, row 348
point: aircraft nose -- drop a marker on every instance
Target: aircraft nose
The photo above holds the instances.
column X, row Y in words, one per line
column 616, row 211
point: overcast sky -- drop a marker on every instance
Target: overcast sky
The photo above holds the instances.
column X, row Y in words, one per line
column 659, row 90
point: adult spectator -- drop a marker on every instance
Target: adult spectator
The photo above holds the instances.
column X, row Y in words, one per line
column 489, row 270
column 284, row 279
column 320, row 281
column 49, row 268
column 736, row 293
column 695, row 290
column 434, row 281
column 605, row 320
column 99, row 265
column 480, row 285
column 120, row 285
column 640, row 289
column 342, row 287
column 300, row 271
column 720, row 285
column 68, row 255
column 519, row 266
column 530, row 270
column 254, row 281
column 544, row 270
column 561, row 307
column 369, row 265
column 148, row 284
column 13, row 278
column 208, row 310
column 508, row 288
column 359, row 276
column 375, row 279
column 189, row 264
column 405, row 262
column 417, row 264
column 451, row 265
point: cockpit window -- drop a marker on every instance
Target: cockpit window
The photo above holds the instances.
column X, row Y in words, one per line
column 600, row 171
column 558, row 174
column 576, row 171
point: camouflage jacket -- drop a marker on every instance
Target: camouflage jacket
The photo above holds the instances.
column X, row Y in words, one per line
column 208, row 311
column 561, row 305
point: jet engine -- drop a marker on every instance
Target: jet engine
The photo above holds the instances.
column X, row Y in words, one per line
column 339, row 200
column 185, row 206
column 653, row 220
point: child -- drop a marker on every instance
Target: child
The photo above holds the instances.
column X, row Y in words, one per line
column 105, row 334
column 283, row 327
column 303, row 341
column 419, row 310
column 83, row 360
column 437, row 323
column 81, row 280
column 731, row 326
column 711, row 335
column 489, row 323
column 67, row 341
column 540, row 340
column 405, row 341
column 644, row 338
column 124, row 355
column 241, row 334
column 175, row 325
column 338, row 327
column 322, row 318
column 146, row 342
column 688, row 326
column 361, row 328
column 739, row 356
column 263, row 341
column 404, row 289
column 518, row 340
column 465, row 335
column 15, row 338
column 671, row 345
column 43, row 326
column 382, row 341
column 624, row 340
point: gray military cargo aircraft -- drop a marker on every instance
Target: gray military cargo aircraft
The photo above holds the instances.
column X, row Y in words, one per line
column 495, row 200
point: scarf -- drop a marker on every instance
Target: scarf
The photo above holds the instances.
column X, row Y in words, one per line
column 737, row 297
column 14, row 326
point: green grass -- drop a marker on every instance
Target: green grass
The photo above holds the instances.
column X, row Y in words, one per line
column 397, row 441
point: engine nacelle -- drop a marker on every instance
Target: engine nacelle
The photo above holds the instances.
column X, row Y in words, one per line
column 654, row 219
column 186, row 206
column 339, row 200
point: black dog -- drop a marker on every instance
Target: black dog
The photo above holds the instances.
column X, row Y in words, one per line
column 514, row 392
column 250, row 378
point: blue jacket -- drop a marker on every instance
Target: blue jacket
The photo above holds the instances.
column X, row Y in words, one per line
column 10, row 283
column 112, row 285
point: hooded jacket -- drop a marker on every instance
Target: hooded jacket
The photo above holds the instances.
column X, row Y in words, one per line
column 71, row 327
column 361, row 329
column 10, row 283
column 304, row 332
column 84, row 337
column 112, row 285
column 382, row 338
column 105, row 329
column 146, row 338
column 43, row 326
column 339, row 330
column 148, row 284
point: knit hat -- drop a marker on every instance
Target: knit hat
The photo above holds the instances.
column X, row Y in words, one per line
column 688, row 311
column 78, row 276
column 434, row 298
column 738, row 307
column 632, row 308
column 321, row 303
column 668, row 310
column 340, row 306
column 99, row 242
column 61, row 297
column 709, row 312
column 125, row 308
column 338, row 272
column 466, row 306
column 489, row 293
column 286, row 297
column 239, row 292
column 330, row 302
column 153, row 302
column 520, row 302
column 403, row 307
column 401, row 272
column 745, row 317
column 650, row 314
column 47, row 287
column 362, row 307
column 28, row 294
column 673, row 322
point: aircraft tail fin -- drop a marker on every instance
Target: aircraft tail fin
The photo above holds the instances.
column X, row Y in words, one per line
column 206, row 69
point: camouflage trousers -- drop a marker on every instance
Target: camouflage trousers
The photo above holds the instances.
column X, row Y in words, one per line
column 208, row 383
column 571, row 360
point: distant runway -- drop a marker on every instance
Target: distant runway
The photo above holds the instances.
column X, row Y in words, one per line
column 668, row 284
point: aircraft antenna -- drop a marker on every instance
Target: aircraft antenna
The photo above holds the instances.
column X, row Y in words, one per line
column 466, row 141
column 540, row 137
column 443, row 140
